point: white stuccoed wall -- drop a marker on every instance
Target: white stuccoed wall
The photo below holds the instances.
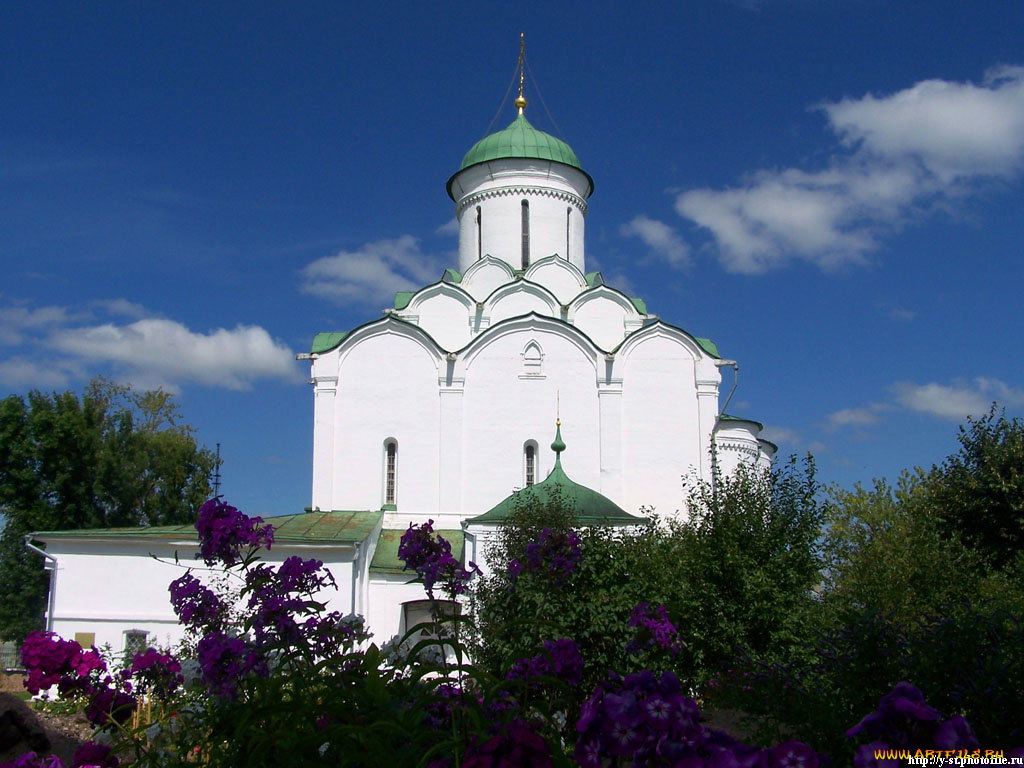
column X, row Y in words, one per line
column 111, row 586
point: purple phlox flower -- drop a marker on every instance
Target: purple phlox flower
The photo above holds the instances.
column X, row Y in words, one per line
column 93, row 755
column 901, row 719
column 514, row 569
column 646, row 719
column 279, row 598
column 331, row 632
column 32, row 760
column 956, row 733
column 196, row 605
column 431, row 557
column 444, row 701
column 517, row 744
column 106, row 704
column 793, row 754
column 554, row 553
column 48, row 658
column 224, row 532
column 225, row 660
column 654, row 630
column 561, row 659
column 157, row 672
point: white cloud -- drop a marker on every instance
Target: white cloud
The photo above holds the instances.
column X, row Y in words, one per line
column 371, row 274
column 16, row 322
column 898, row 154
column 782, row 436
column 154, row 352
column 857, row 417
column 54, row 346
column 660, row 238
column 450, row 227
column 954, row 130
column 123, row 308
column 958, row 401
column 22, row 373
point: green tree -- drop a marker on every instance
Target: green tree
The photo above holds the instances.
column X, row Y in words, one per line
column 887, row 552
column 737, row 577
column 749, row 555
column 978, row 493
column 516, row 615
column 112, row 457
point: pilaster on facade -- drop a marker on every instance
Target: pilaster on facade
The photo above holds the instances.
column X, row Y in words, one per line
column 707, row 417
column 325, row 390
column 609, row 400
column 450, row 439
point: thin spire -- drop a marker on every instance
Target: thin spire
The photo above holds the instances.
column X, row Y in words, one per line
column 558, row 445
column 520, row 101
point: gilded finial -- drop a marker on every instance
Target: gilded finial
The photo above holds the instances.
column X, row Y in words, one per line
column 520, row 101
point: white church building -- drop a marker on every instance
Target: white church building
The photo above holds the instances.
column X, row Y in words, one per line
column 446, row 404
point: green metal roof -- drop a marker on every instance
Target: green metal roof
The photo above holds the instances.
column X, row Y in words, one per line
column 640, row 304
column 334, row 527
column 325, row 341
column 385, row 557
column 451, row 276
column 402, row 299
column 729, row 417
column 594, row 278
column 521, row 140
column 708, row 346
column 591, row 507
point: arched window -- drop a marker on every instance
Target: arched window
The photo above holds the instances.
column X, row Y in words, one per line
column 533, row 360
column 529, row 463
column 390, row 471
column 526, row 233
column 479, row 233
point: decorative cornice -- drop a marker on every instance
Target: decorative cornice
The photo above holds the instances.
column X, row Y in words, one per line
column 487, row 194
column 737, row 447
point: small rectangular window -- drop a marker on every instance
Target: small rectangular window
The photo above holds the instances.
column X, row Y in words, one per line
column 134, row 642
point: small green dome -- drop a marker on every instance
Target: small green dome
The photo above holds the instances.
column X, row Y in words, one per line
column 521, row 140
column 589, row 506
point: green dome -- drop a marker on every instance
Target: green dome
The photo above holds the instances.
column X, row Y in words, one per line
column 521, row 140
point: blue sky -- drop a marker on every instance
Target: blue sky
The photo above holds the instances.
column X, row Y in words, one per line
column 829, row 190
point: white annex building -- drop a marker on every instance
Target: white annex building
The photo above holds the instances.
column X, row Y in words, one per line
column 444, row 406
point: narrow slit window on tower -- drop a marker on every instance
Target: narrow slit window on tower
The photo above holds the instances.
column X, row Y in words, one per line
column 530, row 459
column 568, row 219
column 390, row 466
column 479, row 233
column 526, row 233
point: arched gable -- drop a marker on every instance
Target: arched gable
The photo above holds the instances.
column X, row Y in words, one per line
column 559, row 276
column 521, row 298
column 537, row 325
column 659, row 330
column 401, row 337
column 443, row 310
column 485, row 275
column 605, row 314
